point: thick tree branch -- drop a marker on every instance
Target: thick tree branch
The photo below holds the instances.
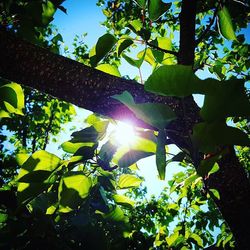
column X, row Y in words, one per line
column 86, row 87
column 83, row 86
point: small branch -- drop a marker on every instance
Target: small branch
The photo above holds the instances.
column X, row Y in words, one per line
column 208, row 27
column 175, row 53
column 48, row 129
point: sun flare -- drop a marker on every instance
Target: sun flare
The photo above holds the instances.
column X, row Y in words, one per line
column 124, row 134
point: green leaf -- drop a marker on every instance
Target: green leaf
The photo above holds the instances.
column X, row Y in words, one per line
column 27, row 191
column 12, row 96
column 141, row 3
column 155, row 114
column 72, row 147
column 115, row 215
column 48, row 12
column 123, row 201
column 149, row 57
column 110, row 69
column 41, row 161
column 103, row 46
column 161, row 154
column 129, row 157
column 179, row 80
column 90, row 134
column 208, row 136
column 215, row 193
column 161, row 57
column 225, row 24
column 197, row 238
column 172, row 238
column 136, row 25
column 128, row 181
column 134, row 62
column 21, row 158
column 144, row 146
column 157, row 8
column 73, row 187
column 123, row 44
column 207, row 165
column 227, row 99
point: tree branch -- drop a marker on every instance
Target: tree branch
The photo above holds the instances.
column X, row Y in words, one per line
column 175, row 53
column 208, row 26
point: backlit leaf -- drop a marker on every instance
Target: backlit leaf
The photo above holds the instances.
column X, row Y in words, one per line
column 109, row 69
column 155, row 114
column 74, row 186
column 128, row 181
column 225, row 24
column 123, row 200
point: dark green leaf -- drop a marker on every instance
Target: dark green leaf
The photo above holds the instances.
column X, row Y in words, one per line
column 209, row 136
column 123, row 44
column 157, row 8
column 104, row 44
column 161, row 154
column 227, row 99
column 177, row 80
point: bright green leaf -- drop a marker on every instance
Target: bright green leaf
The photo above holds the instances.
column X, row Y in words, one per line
column 215, row 193
column 41, row 161
column 128, row 181
column 225, row 24
column 197, row 238
column 11, row 98
column 73, row 187
column 115, row 215
column 172, row 238
column 179, row 80
column 109, row 69
column 123, row 200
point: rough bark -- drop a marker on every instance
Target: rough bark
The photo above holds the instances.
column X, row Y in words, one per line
column 91, row 89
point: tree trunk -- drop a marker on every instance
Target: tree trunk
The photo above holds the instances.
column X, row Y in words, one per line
column 230, row 180
column 91, row 89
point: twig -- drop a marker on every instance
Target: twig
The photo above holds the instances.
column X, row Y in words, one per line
column 175, row 53
column 208, row 27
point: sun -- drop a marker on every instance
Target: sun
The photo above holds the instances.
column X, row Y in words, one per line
column 124, row 134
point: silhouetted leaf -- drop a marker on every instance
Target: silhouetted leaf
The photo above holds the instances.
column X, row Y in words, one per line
column 161, row 154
